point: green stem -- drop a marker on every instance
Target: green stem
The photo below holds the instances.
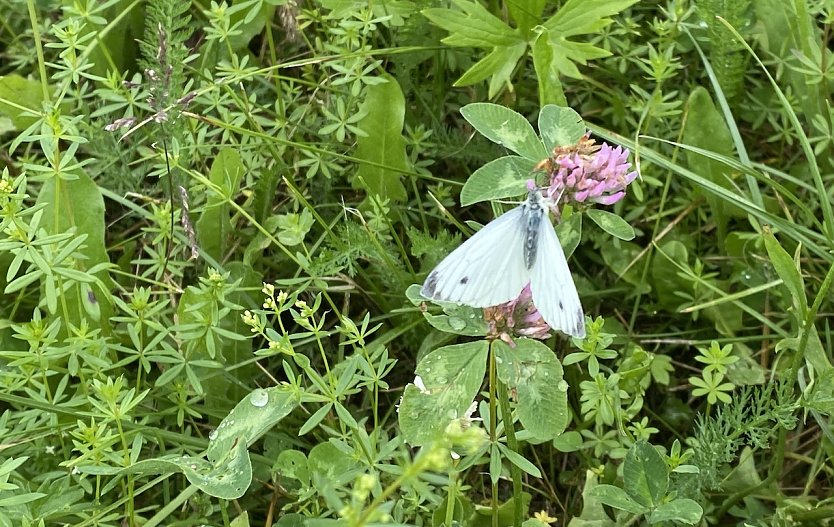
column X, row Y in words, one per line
column 512, row 443
column 493, row 431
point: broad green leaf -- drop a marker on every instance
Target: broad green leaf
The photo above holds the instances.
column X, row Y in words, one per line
column 292, row 464
column 226, row 471
column 535, row 374
column 611, row 223
column 617, row 498
column 483, row 516
column 549, row 85
column 253, row 416
column 820, row 395
column 505, row 127
column 744, row 474
column 560, row 126
column 570, row 233
column 18, row 96
column 331, row 466
column 462, row 509
column 383, row 148
column 526, row 14
column 504, row 177
column 645, row 475
column 568, row 442
column 498, row 64
column 475, row 26
column 788, row 271
column 77, row 203
column 681, row 510
column 457, row 318
column 593, row 514
column 706, row 129
column 241, row 521
column 577, row 17
column 214, row 226
column 249, row 21
column 451, row 377
column 227, row 478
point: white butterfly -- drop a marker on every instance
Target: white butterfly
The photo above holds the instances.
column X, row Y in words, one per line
column 494, row 265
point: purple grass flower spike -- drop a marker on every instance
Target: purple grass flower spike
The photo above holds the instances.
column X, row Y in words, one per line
column 588, row 173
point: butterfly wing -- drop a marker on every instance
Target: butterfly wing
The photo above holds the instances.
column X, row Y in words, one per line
column 487, row 269
column 554, row 293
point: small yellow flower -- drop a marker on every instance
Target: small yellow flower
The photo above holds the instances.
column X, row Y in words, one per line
column 544, row 517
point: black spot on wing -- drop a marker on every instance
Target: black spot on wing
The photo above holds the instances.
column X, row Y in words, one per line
column 561, row 307
column 580, row 322
column 464, row 280
column 430, row 285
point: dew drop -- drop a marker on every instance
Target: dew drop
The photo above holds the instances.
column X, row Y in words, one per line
column 213, row 435
column 456, row 323
column 563, row 386
column 259, row 398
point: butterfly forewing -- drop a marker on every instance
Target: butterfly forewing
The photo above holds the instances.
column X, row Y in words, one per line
column 554, row 293
column 487, row 269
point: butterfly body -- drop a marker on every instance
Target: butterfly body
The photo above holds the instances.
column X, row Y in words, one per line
column 496, row 263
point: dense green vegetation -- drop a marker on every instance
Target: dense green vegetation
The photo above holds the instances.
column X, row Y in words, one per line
column 216, row 219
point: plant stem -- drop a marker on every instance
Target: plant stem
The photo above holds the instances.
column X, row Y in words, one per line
column 512, row 443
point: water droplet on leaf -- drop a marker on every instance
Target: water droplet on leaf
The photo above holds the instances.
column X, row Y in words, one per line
column 456, row 323
column 259, row 398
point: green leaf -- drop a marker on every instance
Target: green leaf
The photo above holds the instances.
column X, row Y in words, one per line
column 331, row 465
column 520, row 461
column 549, row 85
column 228, row 478
column 294, row 227
column 612, row 224
column 475, row 27
column 617, row 498
column 214, row 226
column 570, row 233
column 788, row 271
column 526, row 14
column 505, row 127
column 19, row 96
column 568, row 442
column 241, row 521
column 577, row 17
column 80, row 206
column 593, row 514
column 292, row 464
column 458, row 319
column 501, row 178
column 535, row 374
column 451, row 377
column 706, row 129
column 560, row 126
column 645, row 475
column 498, row 64
column 681, row 510
column 383, row 147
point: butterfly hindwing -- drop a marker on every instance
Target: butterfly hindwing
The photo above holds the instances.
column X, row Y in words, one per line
column 487, row 269
column 554, row 293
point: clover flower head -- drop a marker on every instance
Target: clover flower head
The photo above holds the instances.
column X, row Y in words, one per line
column 588, row 173
column 517, row 317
